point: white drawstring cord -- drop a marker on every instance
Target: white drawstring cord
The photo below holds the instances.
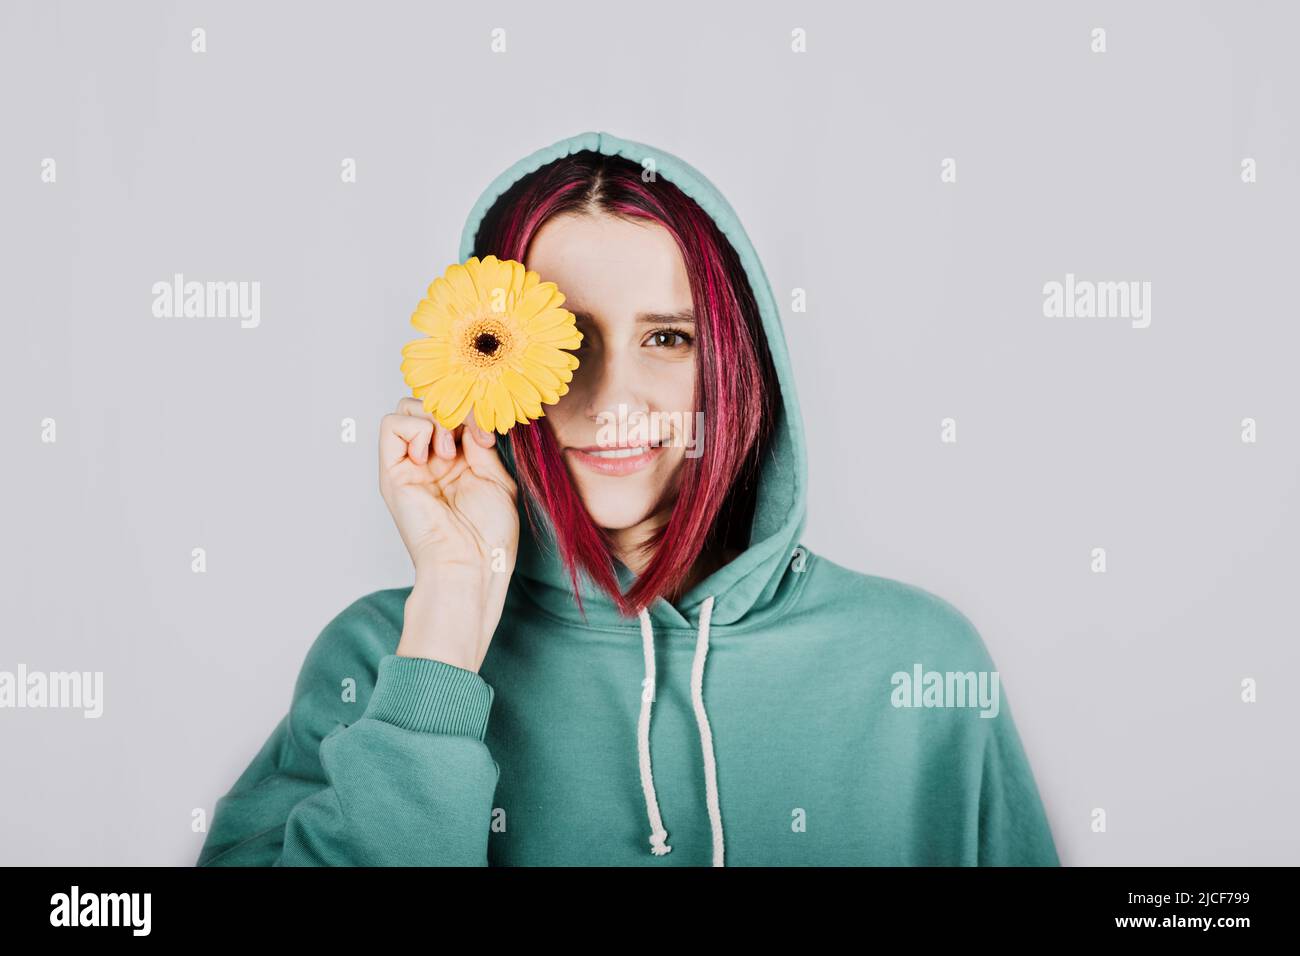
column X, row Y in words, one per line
column 657, row 832
column 706, row 733
column 658, row 835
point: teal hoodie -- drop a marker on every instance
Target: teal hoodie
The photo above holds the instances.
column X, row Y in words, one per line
column 785, row 711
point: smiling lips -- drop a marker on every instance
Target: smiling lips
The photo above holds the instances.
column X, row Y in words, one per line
column 616, row 461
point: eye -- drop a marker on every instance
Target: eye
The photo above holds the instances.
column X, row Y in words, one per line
column 663, row 338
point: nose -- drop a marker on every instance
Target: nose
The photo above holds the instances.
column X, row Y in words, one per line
column 609, row 381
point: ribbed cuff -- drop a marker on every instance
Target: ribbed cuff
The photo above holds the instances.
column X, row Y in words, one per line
column 430, row 696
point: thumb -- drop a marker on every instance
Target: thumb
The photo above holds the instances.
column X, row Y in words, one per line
column 481, row 454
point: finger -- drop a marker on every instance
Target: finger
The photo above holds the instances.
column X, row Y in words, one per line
column 444, row 439
column 484, row 439
column 413, row 406
column 481, row 455
column 444, row 442
column 401, row 436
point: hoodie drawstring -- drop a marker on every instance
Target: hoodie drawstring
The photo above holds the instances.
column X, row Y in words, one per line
column 658, row 835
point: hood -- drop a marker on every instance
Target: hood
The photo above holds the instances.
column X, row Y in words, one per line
column 748, row 589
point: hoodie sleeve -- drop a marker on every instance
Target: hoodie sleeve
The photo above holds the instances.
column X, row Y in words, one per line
column 380, row 761
column 1013, row 828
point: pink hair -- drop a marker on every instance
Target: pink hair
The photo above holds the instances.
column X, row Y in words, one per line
column 736, row 382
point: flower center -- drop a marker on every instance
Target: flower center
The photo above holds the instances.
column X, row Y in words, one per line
column 486, row 342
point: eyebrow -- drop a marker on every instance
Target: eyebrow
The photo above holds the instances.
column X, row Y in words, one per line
column 684, row 317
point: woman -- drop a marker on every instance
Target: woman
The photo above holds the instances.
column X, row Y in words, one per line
column 616, row 650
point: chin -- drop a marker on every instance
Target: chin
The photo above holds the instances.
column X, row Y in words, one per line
column 618, row 517
column 617, row 512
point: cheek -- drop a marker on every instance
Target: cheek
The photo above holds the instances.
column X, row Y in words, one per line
column 673, row 461
column 675, row 391
column 562, row 413
column 666, row 477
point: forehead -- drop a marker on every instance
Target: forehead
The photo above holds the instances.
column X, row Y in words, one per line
column 610, row 266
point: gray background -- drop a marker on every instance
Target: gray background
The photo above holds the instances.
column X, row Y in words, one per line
column 924, row 301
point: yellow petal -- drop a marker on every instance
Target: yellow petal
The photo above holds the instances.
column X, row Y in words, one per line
column 426, row 348
column 504, row 278
column 490, row 275
column 534, row 301
column 550, row 319
column 545, row 381
column 520, row 387
column 523, row 392
column 537, row 373
column 450, row 392
column 433, row 320
column 560, row 337
column 560, row 362
column 457, row 415
column 483, row 414
column 517, row 276
column 462, row 285
column 442, row 295
column 503, row 408
column 424, row 371
column 474, row 266
column 520, row 415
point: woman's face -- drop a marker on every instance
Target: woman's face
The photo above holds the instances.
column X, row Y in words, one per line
column 635, row 387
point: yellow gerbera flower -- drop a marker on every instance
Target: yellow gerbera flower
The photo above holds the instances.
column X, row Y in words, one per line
column 495, row 340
